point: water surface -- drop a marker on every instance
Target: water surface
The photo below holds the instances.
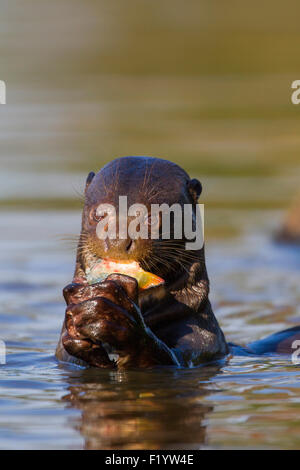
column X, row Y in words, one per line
column 241, row 402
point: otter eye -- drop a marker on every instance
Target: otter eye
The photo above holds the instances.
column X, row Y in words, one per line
column 97, row 217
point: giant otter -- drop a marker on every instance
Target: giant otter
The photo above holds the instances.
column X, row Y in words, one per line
column 169, row 324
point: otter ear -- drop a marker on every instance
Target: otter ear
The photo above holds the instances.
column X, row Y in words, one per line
column 89, row 180
column 194, row 188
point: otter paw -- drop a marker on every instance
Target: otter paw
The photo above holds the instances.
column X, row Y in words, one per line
column 107, row 312
column 102, row 321
column 84, row 350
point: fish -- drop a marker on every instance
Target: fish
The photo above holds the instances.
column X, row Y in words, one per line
column 103, row 268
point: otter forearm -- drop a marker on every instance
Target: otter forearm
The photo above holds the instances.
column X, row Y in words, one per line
column 61, row 354
column 151, row 352
column 81, row 352
column 194, row 339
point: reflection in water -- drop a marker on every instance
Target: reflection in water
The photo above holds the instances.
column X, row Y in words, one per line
column 247, row 402
column 142, row 409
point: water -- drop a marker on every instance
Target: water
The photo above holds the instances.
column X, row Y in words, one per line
column 241, row 402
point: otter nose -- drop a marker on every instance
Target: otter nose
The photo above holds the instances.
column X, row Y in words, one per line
column 122, row 246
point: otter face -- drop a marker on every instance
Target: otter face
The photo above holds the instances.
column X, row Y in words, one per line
column 144, row 181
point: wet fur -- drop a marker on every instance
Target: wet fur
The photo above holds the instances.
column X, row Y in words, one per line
column 173, row 324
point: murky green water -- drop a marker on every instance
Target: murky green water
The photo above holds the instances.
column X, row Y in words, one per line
column 205, row 85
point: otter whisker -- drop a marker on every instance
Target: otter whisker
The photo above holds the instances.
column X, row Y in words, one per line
column 79, row 193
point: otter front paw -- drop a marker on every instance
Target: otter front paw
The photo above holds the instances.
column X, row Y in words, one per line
column 84, row 350
column 112, row 317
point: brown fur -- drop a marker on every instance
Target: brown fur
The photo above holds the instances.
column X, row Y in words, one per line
column 170, row 324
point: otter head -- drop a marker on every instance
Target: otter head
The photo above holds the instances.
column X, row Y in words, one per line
column 144, row 181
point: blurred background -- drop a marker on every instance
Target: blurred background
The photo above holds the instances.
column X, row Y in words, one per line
column 203, row 83
column 206, row 84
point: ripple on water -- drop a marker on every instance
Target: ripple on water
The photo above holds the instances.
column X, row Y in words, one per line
column 243, row 402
